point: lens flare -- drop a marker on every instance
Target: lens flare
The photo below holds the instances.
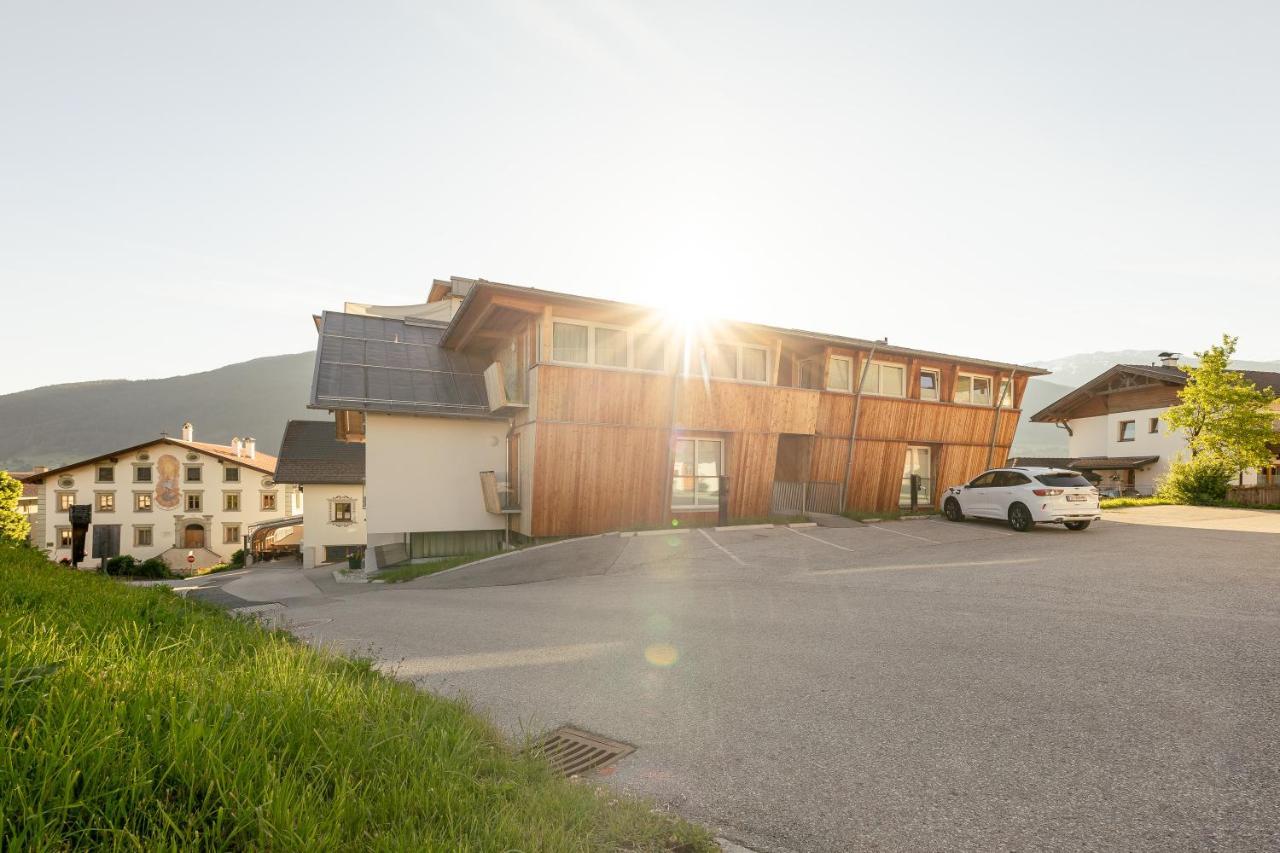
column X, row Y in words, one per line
column 661, row 654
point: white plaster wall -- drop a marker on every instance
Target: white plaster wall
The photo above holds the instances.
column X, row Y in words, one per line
column 319, row 530
column 162, row 521
column 422, row 474
column 1100, row 436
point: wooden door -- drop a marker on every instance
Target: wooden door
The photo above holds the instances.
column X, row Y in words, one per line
column 193, row 536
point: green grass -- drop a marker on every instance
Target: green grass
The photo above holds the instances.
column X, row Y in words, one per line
column 136, row 720
column 1122, row 503
column 400, row 574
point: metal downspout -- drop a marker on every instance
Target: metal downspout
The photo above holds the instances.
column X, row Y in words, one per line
column 995, row 420
column 853, row 428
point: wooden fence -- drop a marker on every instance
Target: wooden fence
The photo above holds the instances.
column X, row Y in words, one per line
column 1254, row 495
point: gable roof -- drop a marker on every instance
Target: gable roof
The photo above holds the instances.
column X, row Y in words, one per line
column 29, row 489
column 1172, row 377
column 379, row 364
column 264, row 462
column 310, row 452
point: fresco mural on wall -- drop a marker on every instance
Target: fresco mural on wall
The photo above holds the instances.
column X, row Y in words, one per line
column 168, row 489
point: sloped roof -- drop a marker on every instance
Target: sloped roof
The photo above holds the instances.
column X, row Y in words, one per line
column 1056, row 410
column 310, row 452
column 378, row 364
column 1092, row 463
column 29, row 490
column 264, row 462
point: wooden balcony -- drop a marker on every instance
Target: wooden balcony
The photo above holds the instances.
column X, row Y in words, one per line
column 495, row 388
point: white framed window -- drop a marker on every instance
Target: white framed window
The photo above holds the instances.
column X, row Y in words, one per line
column 695, row 476
column 840, row 373
column 607, row 346
column 231, row 501
column 142, row 536
column 744, row 362
column 230, row 534
column 930, row 384
column 195, row 502
column 569, row 342
column 975, row 390
column 887, row 380
column 142, row 502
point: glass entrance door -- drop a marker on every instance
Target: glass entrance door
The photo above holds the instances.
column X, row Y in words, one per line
column 919, row 461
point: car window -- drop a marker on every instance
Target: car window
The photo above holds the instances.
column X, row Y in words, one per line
column 1061, row 479
column 983, row 481
column 1016, row 479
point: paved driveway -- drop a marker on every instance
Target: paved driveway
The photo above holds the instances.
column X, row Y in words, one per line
column 908, row 686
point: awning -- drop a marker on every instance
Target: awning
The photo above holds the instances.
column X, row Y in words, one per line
column 1113, row 463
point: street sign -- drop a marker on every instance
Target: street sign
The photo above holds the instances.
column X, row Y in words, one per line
column 191, row 557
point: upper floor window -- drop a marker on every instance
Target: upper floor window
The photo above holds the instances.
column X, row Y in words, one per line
column 973, row 389
column 195, row 502
column 231, row 474
column 1153, row 426
column 193, row 474
column 268, row 501
column 106, row 474
column 142, row 473
column 341, row 511
column 889, row 380
column 66, row 500
column 840, row 373
column 106, row 501
column 747, row 362
column 930, row 383
column 606, row 346
column 1128, row 430
column 142, row 502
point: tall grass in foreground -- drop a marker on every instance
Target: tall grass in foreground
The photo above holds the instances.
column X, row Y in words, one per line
column 133, row 719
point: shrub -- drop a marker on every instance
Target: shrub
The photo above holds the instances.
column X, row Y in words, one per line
column 127, row 566
column 1201, row 480
column 237, row 559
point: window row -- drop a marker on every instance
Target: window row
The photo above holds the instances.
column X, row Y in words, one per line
column 144, row 536
column 890, row 380
column 145, row 501
column 145, row 474
column 608, row 346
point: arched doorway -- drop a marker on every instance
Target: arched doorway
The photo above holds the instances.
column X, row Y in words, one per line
column 193, row 536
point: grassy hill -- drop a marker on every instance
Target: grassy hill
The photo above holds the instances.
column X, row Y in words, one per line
column 58, row 424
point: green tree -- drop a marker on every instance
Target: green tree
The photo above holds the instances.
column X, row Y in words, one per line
column 14, row 526
column 1223, row 414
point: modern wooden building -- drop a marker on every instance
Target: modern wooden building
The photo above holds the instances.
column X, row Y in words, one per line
column 614, row 416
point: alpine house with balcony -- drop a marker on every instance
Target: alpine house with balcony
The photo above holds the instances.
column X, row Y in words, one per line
column 512, row 411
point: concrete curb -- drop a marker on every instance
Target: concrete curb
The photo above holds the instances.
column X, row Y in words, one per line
column 744, row 527
column 799, row 524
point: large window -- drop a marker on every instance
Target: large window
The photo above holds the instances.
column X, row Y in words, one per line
column 930, row 382
column 840, row 373
column 889, row 380
column 569, row 343
column 195, row 502
column 698, row 464
column 747, row 362
column 1128, row 430
column 606, row 346
column 975, row 390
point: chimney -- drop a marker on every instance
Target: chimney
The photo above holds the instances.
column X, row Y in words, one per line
column 39, row 469
column 237, row 446
column 188, row 432
column 1169, row 359
column 250, row 447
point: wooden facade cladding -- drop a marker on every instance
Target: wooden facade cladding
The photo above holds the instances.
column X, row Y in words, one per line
column 603, row 441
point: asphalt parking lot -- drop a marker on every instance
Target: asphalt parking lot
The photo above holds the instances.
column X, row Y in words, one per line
column 906, row 686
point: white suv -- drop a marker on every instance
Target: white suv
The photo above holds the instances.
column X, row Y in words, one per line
column 1025, row 497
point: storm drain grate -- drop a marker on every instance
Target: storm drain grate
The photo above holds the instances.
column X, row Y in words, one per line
column 572, row 752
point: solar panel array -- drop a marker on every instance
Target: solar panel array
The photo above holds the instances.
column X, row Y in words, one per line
column 380, row 364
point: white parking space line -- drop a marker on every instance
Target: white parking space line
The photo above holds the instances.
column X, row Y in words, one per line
column 823, row 541
column 900, row 533
column 730, row 554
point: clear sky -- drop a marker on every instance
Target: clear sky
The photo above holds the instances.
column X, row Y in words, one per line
column 182, row 184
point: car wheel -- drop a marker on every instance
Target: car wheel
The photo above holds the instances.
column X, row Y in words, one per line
column 1020, row 518
column 1077, row 525
column 951, row 509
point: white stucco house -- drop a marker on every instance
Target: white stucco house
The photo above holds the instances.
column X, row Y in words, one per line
column 168, row 496
column 1116, row 432
column 330, row 473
